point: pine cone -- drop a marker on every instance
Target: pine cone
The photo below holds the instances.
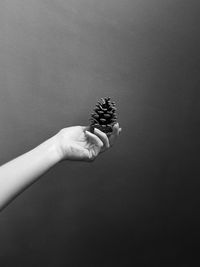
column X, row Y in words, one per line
column 104, row 116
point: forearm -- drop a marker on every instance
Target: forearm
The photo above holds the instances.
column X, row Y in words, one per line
column 71, row 143
column 18, row 174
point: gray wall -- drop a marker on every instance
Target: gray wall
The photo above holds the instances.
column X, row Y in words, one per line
column 138, row 203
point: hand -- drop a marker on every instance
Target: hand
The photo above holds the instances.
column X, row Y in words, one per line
column 77, row 143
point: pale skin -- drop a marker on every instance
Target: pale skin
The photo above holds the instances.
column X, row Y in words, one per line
column 71, row 143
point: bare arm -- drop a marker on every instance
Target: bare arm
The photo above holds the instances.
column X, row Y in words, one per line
column 72, row 143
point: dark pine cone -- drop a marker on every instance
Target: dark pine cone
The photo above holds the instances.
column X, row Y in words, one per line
column 104, row 116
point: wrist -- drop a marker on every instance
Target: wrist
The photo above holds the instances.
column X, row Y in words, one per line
column 52, row 148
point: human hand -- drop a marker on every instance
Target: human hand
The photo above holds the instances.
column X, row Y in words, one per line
column 77, row 143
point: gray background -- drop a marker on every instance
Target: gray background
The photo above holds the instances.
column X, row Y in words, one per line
column 138, row 203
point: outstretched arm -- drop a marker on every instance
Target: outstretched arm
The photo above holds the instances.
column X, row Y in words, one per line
column 72, row 143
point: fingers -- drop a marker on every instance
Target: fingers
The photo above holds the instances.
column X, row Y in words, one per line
column 103, row 138
column 95, row 139
column 115, row 133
